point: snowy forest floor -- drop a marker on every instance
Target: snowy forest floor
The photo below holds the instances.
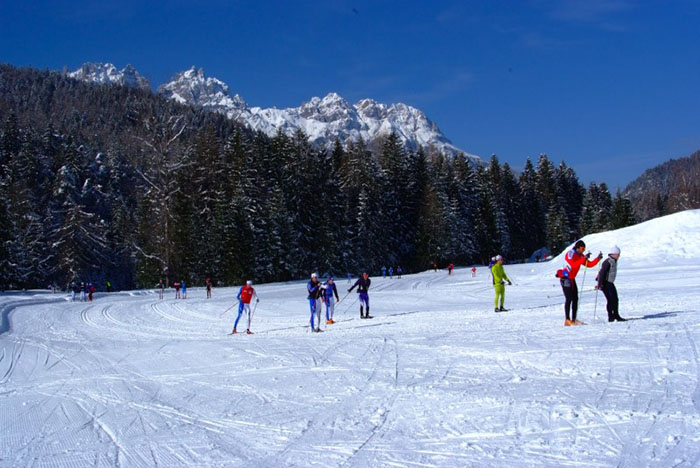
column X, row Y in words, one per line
column 435, row 379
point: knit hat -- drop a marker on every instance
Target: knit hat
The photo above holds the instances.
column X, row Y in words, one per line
column 498, row 257
column 579, row 243
column 314, row 275
column 615, row 250
column 249, row 283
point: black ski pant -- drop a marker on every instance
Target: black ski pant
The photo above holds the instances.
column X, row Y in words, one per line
column 613, row 303
column 571, row 297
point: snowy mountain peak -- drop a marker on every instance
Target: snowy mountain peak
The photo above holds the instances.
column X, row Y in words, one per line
column 323, row 119
column 193, row 87
column 107, row 73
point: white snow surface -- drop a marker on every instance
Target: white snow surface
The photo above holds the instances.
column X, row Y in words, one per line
column 435, row 379
column 322, row 119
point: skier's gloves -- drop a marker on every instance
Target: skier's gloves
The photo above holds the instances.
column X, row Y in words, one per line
column 509, row 283
column 257, row 300
column 588, row 255
column 600, row 255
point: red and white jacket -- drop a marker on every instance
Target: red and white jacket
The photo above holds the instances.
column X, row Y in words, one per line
column 572, row 262
column 246, row 294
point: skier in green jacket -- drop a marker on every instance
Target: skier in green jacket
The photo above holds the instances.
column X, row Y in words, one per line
column 499, row 283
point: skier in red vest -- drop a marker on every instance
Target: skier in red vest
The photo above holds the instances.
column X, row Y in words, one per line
column 245, row 295
column 574, row 260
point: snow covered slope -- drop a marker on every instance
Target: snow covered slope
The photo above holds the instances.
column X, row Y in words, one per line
column 322, row 119
column 435, row 379
column 106, row 73
column 672, row 240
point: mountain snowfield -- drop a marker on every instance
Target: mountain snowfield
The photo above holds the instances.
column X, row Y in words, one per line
column 106, row 73
column 435, row 379
column 323, row 120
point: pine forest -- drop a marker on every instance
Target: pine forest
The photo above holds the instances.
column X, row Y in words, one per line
column 108, row 183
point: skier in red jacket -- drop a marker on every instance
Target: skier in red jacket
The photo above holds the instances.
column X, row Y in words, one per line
column 245, row 295
column 574, row 259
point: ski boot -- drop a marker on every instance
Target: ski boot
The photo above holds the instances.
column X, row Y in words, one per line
column 248, row 332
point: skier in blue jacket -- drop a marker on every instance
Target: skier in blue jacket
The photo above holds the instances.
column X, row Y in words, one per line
column 329, row 290
column 313, row 287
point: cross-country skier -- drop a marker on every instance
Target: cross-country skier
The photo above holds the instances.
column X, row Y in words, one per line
column 208, row 288
column 499, row 283
column 362, row 285
column 574, row 260
column 473, row 272
column 74, row 290
column 177, row 289
column 329, row 290
column 606, row 283
column 314, row 289
column 450, row 268
column 245, row 295
column 184, row 289
column 383, row 272
column 391, row 272
column 399, row 271
column 161, row 288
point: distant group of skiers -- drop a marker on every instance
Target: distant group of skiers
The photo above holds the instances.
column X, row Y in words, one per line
column 180, row 288
column 399, row 271
column 84, row 290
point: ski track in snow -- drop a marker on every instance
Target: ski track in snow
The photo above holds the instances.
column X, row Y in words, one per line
column 435, row 379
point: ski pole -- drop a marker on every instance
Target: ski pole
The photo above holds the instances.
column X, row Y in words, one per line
column 595, row 307
column 224, row 312
column 346, row 295
column 583, row 282
column 250, row 321
column 348, row 307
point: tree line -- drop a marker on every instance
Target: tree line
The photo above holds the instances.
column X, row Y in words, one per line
column 105, row 183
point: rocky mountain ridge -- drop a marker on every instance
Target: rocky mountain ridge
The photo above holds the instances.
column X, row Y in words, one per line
column 323, row 119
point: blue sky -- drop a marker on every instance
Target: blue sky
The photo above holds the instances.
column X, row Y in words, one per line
column 612, row 87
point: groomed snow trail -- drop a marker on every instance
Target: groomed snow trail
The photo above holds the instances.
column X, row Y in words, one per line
column 436, row 379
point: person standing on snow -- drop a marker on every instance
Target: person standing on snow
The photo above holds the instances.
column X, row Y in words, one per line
column 499, row 283
column 384, row 272
column 245, row 295
column 208, row 288
column 450, row 268
column 606, row 283
column 313, row 287
column 177, row 289
column 161, row 288
column 391, row 272
column 75, row 289
column 328, row 290
column 473, row 272
column 362, row 285
column 399, row 271
column 184, row 289
column 573, row 261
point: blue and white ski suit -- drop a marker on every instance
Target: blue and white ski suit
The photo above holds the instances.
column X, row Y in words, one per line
column 328, row 292
column 314, row 290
